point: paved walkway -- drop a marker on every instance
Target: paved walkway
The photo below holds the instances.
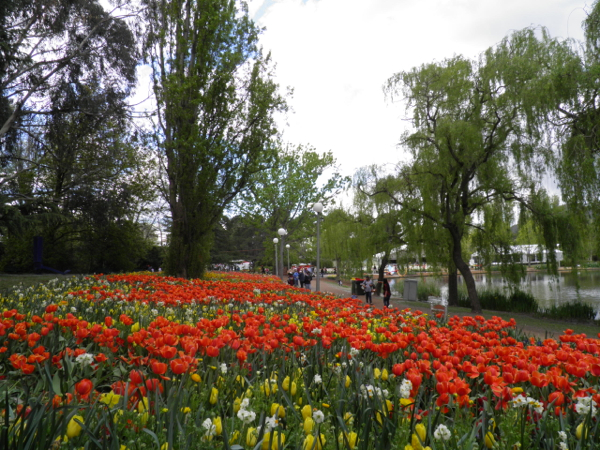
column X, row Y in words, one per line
column 328, row 285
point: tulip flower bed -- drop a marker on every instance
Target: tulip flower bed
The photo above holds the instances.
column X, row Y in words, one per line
column 245, row 362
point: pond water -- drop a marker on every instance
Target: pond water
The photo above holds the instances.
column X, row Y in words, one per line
column 548, row 290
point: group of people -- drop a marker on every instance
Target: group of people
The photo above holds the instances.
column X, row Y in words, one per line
column 300, row 278
column 368, row 286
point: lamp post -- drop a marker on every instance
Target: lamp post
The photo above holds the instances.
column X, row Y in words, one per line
column 281, row 232
column 275, row 241
column 318, row 208
column 288, row 249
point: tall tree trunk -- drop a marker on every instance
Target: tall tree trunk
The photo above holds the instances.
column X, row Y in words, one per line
column 189, row 246
column 452, row 285
column 464, row 269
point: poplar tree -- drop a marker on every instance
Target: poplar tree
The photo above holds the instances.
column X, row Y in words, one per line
column 216, row 99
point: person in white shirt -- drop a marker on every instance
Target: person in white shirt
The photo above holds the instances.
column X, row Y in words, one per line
column 368, row 288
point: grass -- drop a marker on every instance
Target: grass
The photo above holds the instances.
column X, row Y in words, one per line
column 538, row 324
column 9, row 282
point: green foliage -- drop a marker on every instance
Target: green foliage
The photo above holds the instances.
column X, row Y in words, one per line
column 236, row 239
column 216, row 99
column 282, row 197
column 426, row 289
column 494, row 299
column 344, row 241
column 575, row 310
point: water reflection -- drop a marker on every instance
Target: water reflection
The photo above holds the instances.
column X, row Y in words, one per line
column 548, row 290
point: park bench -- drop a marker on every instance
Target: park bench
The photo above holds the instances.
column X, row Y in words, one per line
column 438, row 306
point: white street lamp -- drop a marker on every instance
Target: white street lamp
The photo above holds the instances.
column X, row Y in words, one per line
column 275, row 241
column 318, row 208
column 281, row 232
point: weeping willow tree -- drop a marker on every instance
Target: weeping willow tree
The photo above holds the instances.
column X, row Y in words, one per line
column 478, row 140
column 575, row 122
column 344, row 240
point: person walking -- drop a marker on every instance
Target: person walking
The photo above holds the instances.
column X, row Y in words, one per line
column 301, row 277
column 296, row 277
column 367, row 286
column 387, row 293
column 307, row 279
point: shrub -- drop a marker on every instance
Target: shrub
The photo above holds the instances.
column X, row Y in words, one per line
column 427, row 289
column 497, row 300
column 570, row 311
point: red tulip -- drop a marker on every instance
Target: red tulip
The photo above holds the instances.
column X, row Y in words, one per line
column 179, row 366
column 158, row 368
column 136, row 377
column 84, row 387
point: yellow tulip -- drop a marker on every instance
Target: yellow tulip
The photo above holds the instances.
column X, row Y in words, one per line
column 186, row 410
column 240, row 380
column 309, row 425
column 111, row 399
column 581, row 431
column 348, row 381
column 408, row 447
column 313, row 443
column 143, row 405
column 274, row 438
column 165, row 446
column 144, row 418
column 118, row 415
column 421, row 431
column 406, row 401
column 385, row 375
column 278, row 409
column 196, row 378
column 376, row 373
column 269, row 388
column 348, row 418
column 416, row 444
column 251, row 437
column 73, row 427
column 234, row 437
column 294, row 388
column 351, row 439
column 135, row 327
column 306, row 411
column 237, row 404
column 214, row 396
column 489, row 439
column 286, row 384
column 218, row 425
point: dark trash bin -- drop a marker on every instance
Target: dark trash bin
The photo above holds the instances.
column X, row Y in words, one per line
column 357, row 288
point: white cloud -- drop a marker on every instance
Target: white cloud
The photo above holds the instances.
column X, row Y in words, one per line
column 337, row 55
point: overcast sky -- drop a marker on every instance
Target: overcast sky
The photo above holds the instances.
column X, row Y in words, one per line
column 337, row 55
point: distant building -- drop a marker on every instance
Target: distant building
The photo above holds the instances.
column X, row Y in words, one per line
column 523, row 254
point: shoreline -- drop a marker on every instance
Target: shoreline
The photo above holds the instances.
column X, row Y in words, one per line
column 474, row 272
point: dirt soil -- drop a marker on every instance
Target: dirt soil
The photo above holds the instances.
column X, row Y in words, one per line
column 328, row 285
